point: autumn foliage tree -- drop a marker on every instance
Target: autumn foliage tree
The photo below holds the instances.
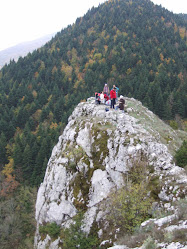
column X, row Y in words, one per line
column 8, row 183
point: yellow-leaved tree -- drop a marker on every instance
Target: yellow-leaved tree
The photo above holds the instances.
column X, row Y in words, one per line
column 8, row 184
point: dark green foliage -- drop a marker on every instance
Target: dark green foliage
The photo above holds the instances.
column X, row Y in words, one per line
column 74, row 237
column 17, row 223
column 31, row 154
column 3, row 144
column 130, row 206
column 184, row 16
column 181, row 155
column 50, row 228
column 173, row 124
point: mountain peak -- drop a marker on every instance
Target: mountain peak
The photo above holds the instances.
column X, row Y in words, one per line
column 95, row 156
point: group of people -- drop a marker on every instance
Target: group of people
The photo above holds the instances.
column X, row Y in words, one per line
column 110, row 97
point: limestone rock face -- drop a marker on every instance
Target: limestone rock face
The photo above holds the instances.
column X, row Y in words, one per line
column 94, row 153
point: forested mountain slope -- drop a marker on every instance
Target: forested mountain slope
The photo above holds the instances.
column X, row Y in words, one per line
column 136, row 45
column 184, row 16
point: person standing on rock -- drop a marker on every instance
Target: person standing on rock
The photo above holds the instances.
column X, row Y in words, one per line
column 113, row 97
column 106, row 89
column 117, row 90
column 102, row 98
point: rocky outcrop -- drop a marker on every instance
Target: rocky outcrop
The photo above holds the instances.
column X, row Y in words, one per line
column 94, row 153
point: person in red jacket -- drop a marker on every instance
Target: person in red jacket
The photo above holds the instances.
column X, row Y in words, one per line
column 106, row 97
column 113, row 97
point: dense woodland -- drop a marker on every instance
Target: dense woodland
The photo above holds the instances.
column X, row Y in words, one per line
column 184, row 16
column 140, row 47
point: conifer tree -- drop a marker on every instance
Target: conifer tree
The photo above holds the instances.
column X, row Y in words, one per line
column 3, row 143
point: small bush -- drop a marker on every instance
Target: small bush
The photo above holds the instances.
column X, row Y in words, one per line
column 173, row 124
column 181, row 207
column 51, row 228
column 74, row 157
column 149, row 243
column 74, row 237
column 168, row 237
column 131, row 241
column 130, row 207
column 180, row 235
column 181, row 155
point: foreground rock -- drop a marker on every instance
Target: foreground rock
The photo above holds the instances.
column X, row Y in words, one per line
column 94, row 156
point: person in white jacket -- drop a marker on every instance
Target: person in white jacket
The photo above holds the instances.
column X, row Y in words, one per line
column 102, row 98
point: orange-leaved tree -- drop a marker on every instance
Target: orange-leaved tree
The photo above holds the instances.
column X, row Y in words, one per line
column 8, row 184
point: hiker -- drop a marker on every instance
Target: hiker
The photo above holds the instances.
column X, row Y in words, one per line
column 106, row 97
column 121, row 103
column 113, row 97
column 97, row 98
column 102, row 98
column 117, row 90
column 106, row 89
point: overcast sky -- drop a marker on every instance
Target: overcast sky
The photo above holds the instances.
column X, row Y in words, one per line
column 26, row 20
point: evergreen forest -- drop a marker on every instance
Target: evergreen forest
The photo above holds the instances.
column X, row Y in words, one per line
column 136, row 45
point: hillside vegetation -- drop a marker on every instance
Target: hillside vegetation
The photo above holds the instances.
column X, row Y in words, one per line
column 140, row 47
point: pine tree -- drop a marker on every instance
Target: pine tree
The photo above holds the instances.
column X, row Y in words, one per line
column 27, row 162
column 159, row 103
column 3, row 143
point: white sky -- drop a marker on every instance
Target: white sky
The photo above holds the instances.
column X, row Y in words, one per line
column 26, row 20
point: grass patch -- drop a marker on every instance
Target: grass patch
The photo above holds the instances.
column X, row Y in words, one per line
column 99, row 146
column 149, row 120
